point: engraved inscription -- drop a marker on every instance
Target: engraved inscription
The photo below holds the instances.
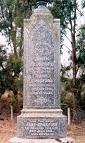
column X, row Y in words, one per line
column 41, row 127
column 41, row 68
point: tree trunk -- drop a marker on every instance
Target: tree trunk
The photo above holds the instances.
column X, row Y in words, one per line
column 73, row 43
column 11, row 107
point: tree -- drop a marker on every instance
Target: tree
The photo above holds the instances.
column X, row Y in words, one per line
column 81, row 47
column 81, row 63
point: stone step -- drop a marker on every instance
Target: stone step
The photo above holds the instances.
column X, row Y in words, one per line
column 62, row 140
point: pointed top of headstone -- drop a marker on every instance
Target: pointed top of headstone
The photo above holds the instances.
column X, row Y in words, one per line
column 42, row 2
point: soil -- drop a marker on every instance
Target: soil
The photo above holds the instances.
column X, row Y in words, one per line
column 8, row 130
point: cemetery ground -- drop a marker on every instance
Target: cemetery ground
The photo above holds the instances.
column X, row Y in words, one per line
column 8, row 129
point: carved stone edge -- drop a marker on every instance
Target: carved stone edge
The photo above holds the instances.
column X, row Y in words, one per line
column 62, row 140
column 20, row 140
column 42, row 113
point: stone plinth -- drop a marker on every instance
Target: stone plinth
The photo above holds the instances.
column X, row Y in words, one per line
column 41, row 124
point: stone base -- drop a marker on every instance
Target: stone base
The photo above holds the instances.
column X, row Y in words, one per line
column 41, row 124
column 20, row 140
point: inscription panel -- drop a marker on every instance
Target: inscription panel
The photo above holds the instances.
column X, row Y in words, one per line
column 41, row 76
column 42, row 128
column 39, row 69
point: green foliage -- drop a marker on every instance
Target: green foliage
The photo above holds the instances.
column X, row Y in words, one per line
column 10, row 71
column 14, row 64
column 3, row 59
column 81, row 47
column 83, row 3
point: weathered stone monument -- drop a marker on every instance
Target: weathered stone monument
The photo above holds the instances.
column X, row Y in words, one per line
column 41, row 119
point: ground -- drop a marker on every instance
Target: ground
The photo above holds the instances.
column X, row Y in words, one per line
column 8, row 130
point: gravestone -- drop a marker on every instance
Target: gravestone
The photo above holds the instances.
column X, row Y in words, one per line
column 41, row 119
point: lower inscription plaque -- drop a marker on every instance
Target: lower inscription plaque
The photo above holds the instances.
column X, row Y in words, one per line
column 41, row 127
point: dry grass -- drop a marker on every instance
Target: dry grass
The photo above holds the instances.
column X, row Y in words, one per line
column 8, row 130
column 77, row 132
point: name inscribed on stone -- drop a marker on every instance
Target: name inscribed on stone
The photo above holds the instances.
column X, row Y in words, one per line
column 42, row 128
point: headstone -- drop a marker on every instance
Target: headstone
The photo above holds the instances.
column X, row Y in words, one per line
column 41, row 119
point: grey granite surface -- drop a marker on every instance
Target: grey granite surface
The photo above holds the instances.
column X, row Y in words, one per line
column 41, row 127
